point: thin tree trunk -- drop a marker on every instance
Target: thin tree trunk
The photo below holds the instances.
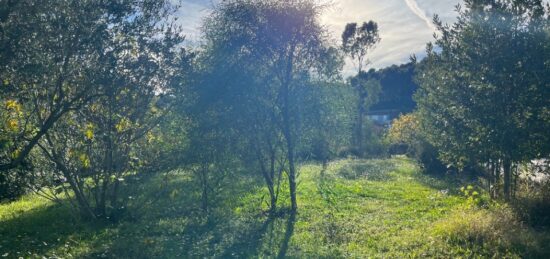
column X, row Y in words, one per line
column 291, row 167
column 507, row 167
column 290, row 152
column 204, row 185
column 361, row 112
column 108, row 164
column 493, row 180
column 83, row 204
column 114, row 194
column 269, row 183
column 498, row 170
column 272, row 193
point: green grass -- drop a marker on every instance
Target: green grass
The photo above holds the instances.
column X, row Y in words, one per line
column 354, row 209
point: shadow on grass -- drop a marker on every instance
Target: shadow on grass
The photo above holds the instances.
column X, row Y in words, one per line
column 447, row 182
column 264, row 239
column 288, row 234
column 40, row 231
column 171, row 226
column 176, row 227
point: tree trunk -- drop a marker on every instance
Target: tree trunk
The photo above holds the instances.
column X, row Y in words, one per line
column 360, row 116
column 290, row 152
column 101, row 207
column 292, row 182
column 507, row 167
column 268, row 177
column 287, row 126
column 272, row 193
column 204, row 185
column 492, row 179
column 114, row 194
column 83, row 204
column 273, row 201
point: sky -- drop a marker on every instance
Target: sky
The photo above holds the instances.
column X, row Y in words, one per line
column 405, row 25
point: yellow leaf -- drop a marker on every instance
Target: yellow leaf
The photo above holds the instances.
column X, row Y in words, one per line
column 150, row 137
column 16, row 154
column 13, row 105
column 13, row 125
column 85, row 160
column 89, row 132
column 123, row 125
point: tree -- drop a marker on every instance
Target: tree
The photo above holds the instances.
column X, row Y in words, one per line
column 86, row 75
column 54, row 57
column 357, row 42
column 265, row 52
column 406, row 133
column 483, row 90
column 398, row 88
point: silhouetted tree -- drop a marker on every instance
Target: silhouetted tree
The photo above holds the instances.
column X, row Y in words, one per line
column 357, row 43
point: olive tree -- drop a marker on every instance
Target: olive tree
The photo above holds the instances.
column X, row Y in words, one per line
column 265, row 52
column 483, row 95
column 86, row 75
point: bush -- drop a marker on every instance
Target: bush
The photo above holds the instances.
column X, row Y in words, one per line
column 533, row 199
column 405, row 136
column 375, row 146
column 12, row 186
column 496, row 232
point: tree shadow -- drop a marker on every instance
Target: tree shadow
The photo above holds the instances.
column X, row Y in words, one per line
column 288, row 234
column 448, row 183
column 249, row 242
column 267, row 239
column 42, row 230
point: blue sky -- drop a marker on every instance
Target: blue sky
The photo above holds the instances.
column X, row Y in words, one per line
column 405, row 26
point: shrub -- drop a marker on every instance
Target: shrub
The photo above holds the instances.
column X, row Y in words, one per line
column 496, row 232
column 406, row 135
column 12, row 186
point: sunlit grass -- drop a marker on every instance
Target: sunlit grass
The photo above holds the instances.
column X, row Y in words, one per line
column 354, row 208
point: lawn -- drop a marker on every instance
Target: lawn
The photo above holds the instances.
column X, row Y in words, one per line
column 354, row 209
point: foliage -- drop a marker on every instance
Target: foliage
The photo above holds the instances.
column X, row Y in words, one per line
column 482, row 87
column 83, row 83
column 495, row 232
column 357, row 42
column 397, row 88
column 264, row 58
column 406, row 135
column 404, row 130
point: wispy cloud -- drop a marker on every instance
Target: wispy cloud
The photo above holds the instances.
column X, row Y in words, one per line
column 402, row 32
column 413, row 5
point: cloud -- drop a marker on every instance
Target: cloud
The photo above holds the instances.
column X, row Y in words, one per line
column 402, row 33
column 413, row 5
column 190, row 16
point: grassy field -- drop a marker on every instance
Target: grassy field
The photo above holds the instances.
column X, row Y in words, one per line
column 354, row 209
